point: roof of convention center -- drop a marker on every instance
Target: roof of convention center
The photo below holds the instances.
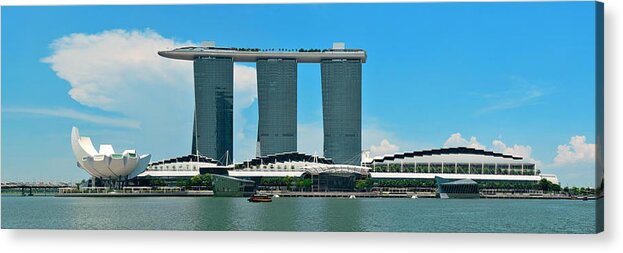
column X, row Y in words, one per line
column 186, row 158
column 286, row 157
column 443, row 151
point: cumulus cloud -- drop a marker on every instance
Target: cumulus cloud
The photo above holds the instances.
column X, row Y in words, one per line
column 245, row 93
column 245, row 85
column 385, row 147
column 576, row 151
column 524, row 151
column 574, row 162
column 456, row 140
column 120, row 71
column 117, row 69
column 375, row 141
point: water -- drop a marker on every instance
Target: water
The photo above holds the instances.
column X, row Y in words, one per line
column 300, row 214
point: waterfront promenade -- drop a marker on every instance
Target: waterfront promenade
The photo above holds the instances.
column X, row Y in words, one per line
column 132, row 192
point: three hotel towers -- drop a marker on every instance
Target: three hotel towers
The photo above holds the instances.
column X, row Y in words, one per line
column 277, row 98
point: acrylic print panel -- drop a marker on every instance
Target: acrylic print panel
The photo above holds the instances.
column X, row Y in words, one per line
column 402, row 117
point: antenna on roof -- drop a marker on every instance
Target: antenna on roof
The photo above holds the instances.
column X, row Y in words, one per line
column 339, row 45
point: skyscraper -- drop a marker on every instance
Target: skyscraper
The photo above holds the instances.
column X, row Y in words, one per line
column 276, row 90
column 213, row 126
column 277, row 98
column 341, row 110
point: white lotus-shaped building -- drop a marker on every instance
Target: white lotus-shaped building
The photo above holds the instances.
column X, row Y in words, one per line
column 106, row 164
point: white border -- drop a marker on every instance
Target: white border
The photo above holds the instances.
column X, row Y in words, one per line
column 164, row 241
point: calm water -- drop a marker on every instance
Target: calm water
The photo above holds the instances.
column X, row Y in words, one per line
column 300, row 214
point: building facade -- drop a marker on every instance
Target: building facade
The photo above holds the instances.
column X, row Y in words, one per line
column 106, row 164
column 454, row 163
column 277, row 85
column 276, row 90
column 213, row 122
column 341, row 110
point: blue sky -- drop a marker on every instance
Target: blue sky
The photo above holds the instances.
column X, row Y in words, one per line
column 511, row 77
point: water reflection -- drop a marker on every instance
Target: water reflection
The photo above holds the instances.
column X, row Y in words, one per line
column 300, row 214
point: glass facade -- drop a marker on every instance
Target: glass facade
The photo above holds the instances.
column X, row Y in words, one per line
column 463, row 188
column 525, row 169
column 213, row 126
column 225, row 186
column 276, row 89
column 341, row 108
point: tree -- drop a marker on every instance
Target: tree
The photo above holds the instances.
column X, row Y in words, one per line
column 288, row 181
column 545, row 185
column 300, row 184
column 201, row 180
column 555, row 187
column 183, row 183
column 157, row 182
column 195, row 181
column 360, row 185
column 307, row 183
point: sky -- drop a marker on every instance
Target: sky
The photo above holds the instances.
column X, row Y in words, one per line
column 516, row 78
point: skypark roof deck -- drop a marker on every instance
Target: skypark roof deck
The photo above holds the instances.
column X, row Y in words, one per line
column 252, row 55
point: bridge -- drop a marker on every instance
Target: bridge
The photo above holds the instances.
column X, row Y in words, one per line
column 27, row 187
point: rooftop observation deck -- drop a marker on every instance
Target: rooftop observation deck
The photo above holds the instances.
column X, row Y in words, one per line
column 253, row 54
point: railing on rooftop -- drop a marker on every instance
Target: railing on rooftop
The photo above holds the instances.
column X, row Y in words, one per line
column 300, row 50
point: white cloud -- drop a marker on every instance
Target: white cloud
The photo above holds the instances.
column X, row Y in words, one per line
column 120, row 71
column 574, row 162
column 310, row 138
column 245, row 93
column 73, row 114
column 456, row 140
column 375, row 140
column 385, row 147
column 378, row 141
column 245, row 85
column 117, row 70
column 518, row 92
column 524, row 151
column 576, row 151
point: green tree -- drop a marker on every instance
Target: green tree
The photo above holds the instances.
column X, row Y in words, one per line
column 300, row 184
column 204, row 180
column 307, row 183
column 360, row 185
column 157, row 182
column 555, row 187
column 183, row 183
column 288, row 182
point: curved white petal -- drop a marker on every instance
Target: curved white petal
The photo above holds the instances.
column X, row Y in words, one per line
column 141, row 166
column 106, row 163
column 83, row 148
column 117, row 165
column 101, row 163
column 106, row 149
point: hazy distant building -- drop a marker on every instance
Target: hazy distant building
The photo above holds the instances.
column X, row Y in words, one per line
column 276, row 90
